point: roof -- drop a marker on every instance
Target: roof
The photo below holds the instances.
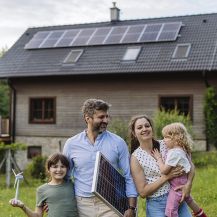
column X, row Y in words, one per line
column 198, row 30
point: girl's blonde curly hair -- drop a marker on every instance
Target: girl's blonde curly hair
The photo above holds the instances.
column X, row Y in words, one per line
column 178, row 133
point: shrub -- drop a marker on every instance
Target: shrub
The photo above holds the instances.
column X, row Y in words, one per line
column 210, row 113
column 204, row 159
column 119, row 127
column 162, row 118
column 37, row 167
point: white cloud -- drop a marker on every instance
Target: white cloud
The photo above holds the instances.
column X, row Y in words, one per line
column 17, row 15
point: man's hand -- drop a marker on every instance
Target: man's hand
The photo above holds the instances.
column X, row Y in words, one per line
column 130, row 213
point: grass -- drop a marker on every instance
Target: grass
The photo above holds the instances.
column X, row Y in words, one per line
column 203, row 191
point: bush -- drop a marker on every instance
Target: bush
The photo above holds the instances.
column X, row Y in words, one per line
column 119, row 127
column 37, row 167
column 210, row 113
column 204, row 159
column 162, row 118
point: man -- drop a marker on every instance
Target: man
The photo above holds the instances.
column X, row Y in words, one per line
column 81, row 151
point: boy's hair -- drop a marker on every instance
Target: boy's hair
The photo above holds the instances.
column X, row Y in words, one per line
column 179, row 134
column 54, row 158
column 91, row 105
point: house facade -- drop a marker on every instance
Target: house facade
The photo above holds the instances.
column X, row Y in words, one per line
column 137, row 66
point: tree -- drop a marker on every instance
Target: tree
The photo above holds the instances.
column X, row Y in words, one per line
column 3, row 51
column 210, row 113
column 4, row 99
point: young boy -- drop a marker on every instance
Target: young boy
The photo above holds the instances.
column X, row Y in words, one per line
column 57, row 193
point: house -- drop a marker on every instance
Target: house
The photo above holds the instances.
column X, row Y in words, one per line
column 136, row 65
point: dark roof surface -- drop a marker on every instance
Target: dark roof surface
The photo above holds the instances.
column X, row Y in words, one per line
column 198, row 30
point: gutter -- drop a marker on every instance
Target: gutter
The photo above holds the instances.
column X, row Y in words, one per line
column 12, row 126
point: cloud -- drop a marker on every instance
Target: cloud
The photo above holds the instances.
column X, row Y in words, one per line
column 17, row 15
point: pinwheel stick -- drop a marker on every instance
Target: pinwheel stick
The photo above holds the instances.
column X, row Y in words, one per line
column 18, row 177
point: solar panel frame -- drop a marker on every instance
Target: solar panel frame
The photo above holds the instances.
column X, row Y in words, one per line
column 107, row 177
column 138, row 33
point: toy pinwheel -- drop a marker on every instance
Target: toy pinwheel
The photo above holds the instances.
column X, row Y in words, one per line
column 18, row 177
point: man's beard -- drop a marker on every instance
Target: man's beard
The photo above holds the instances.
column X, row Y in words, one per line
column 100, row 128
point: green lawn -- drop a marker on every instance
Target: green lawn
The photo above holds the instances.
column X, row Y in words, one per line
column 204, row 189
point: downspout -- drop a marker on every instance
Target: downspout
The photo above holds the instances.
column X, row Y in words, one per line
column 12, row 111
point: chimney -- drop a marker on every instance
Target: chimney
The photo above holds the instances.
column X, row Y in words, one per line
column 115, row 13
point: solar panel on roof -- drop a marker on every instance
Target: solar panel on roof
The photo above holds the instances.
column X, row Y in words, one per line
column 169, row 31
column 109, row 185
column 116, row 35
column 105, row 35
column 99, row 36
column 67, row 38
column 37, row 39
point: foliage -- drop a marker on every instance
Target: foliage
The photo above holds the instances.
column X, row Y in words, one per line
column 204, row 159
column 119, row 127
column 4, row 99
column 3, row 51
column 12, row 146
column 210, row 113
column 162, row 118
column 37, row 167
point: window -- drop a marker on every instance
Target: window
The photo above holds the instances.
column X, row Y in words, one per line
column 181, row 51
column 182, row 103
column 42, row 110
column 73, row 56
column 33, row 151
column 131, row 53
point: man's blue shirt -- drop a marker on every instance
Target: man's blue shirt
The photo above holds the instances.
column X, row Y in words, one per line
column 82, row 155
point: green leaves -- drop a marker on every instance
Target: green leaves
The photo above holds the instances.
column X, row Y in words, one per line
column 13, row 146
column 210, row 113
column 4, row 99
column 162, row 118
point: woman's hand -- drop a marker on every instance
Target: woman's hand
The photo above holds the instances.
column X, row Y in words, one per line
column 186, row 190
column 175, row 172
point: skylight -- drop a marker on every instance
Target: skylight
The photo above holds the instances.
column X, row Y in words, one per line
column 181, row 51
column 131, row 53
column 73, row 56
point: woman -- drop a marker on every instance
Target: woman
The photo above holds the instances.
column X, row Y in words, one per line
column 150, row 183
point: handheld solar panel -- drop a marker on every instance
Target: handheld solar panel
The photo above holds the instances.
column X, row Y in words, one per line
column 109, row 185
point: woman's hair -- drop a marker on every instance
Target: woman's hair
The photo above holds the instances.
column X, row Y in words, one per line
column 178, row 133
column 134, row 143
column 55, row 158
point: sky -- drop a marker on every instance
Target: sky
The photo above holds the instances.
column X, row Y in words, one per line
column 18, row 15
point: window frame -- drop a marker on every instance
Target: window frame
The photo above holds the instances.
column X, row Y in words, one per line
column 139, row 48
column 29, row 151
column 190, row 101
column 188, row 45
column 65, row 61
column 42, row 121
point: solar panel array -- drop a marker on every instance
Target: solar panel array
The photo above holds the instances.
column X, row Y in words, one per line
column 105, row 35
column 109, row 185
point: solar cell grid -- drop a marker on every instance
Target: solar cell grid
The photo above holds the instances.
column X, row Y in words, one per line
column 105, row 35
column 109, row 185
column 41, row 35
